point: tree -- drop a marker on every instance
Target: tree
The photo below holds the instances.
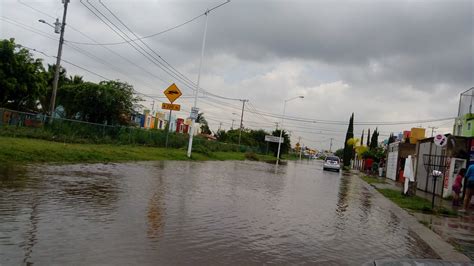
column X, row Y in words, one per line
column 391, row 139
column 374, row 142
column 21, row 82
column 368, row 138
column 48, row 76
column 285, row 146
column 109, row 102
column 339, row 153
column 362, row 138
column 348, row 150
column 221, row 135
column 204, row 125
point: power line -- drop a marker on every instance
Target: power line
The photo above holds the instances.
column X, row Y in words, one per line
column 83, row 68
column 166, row 66
column 144, row 37
column 105, row 47
column 176, row 72
column 47, row 35
column 25, row 27
column 140, row 49
column 35, row 9
column 141, row 41
column 272, row 115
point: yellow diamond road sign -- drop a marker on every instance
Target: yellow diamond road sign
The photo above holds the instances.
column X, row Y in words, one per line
column 172, row 93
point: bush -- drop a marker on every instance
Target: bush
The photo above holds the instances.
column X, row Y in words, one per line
column 202, row 150
column 252, row 156
column 70, row 131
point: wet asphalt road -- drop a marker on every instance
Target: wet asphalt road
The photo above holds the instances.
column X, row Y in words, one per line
column 199, row 213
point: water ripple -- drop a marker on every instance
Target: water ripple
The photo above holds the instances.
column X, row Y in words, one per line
column 195, row 213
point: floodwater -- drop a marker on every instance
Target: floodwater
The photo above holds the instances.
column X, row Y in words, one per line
column 175, row 213
column 458, row 231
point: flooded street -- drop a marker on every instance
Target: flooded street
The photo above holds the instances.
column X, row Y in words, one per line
column 172, row 213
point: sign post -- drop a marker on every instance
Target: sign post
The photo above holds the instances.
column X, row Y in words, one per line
column 172, row 93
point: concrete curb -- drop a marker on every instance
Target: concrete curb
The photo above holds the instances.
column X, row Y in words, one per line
column 445, row 250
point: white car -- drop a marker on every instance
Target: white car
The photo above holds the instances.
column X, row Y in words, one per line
column 332, row 163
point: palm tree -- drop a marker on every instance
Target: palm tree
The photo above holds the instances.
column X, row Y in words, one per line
column 204, row 125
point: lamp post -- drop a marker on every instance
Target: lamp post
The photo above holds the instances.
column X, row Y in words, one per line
column 281, row 125
column 195, row 110
column 233, row 120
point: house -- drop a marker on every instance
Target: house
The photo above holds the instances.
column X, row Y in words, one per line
column 464, row 123
column 397, row 153
column 448, row 159
column 181, row 127
column 160, row 120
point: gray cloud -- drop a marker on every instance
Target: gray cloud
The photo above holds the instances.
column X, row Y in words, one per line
column 383, row 60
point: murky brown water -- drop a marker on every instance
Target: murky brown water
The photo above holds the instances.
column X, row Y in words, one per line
column 173, row 213
column 458, row 231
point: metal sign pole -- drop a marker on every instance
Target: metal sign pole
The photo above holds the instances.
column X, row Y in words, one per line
column 434, row 192
column 168, row 129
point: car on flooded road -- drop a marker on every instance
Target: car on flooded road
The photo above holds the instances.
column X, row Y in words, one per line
column 332, row 163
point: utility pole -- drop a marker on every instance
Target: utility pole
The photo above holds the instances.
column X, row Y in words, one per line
column 232, row 127
column 58, row 63
column 220, row 125
column 432, row 130
column 330, row 145
column 301, row 150
column 196, row 93
column 281, row 129
column 301, row 147
column 242, row 119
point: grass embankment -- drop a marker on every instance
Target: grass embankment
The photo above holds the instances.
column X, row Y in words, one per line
column 373, row 179
column 23, row 150
column 414, row 203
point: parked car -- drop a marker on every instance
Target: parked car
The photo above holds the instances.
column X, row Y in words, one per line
column 332, row 163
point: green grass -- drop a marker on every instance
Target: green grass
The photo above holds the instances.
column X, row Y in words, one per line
column 24, row 150
column 414, row 203
column 373, row 179
column 425, row 223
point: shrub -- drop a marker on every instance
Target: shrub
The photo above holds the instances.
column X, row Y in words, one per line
column 252, row 156
column 202, row 150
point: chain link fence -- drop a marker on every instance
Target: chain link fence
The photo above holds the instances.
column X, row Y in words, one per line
column 465, row 102
column 31, row 125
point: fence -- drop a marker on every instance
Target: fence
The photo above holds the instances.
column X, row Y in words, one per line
column 465, row 102
column 31, row 125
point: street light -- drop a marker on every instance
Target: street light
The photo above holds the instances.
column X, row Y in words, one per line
column 232, row 127
column 194, row 109
column 281, row 125
column 58, row 28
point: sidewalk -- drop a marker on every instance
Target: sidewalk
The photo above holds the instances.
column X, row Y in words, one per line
column 459, row 231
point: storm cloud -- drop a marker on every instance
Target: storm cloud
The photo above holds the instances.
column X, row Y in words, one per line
column 382, row 60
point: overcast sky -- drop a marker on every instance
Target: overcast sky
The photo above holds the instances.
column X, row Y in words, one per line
column 383, row 60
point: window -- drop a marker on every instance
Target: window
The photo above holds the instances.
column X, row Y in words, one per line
column 469, row 126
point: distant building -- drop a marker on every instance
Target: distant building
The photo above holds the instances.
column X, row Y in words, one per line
column 464, row 123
